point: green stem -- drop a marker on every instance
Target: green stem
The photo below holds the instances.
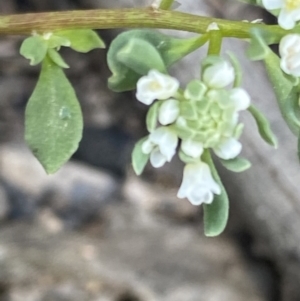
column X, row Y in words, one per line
column 215, row 42
column 25, row 24
column 166, row 4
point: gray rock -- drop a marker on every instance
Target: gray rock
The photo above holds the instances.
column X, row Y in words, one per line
column 136, row 254
column 77, row 194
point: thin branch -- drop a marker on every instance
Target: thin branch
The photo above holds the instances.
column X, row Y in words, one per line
column 25, row 24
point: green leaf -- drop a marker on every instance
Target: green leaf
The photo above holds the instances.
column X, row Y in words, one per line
column 34, row 49
column 152, row 116
column 260, row 39
column 56, row 42
column 290, row 111
column 139, row 159
column 53, row 118
column 263, row 126
column 258, row 48
column 169, row 49
column 216, row 213
column 57, row 59
column 82, row 40
column 286, row 93
column 282, row 84
column 133, row 55
column 237, row 164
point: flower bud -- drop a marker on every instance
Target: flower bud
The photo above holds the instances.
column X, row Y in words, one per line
column 169, row 111
column 198, row 185
column 192, row 148
column 289, row 49
column 219, row 75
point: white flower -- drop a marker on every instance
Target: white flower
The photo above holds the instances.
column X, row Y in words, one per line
column 192, row 148
column 289, row 49
column 219, row 75
column 156, row 85
column 239, row 98
column 228, row 149
column 161, row 145
column 169, row 111
column 289, row 11
column 198, row 185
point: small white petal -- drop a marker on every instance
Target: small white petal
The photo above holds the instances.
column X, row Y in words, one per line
column 286, row 20
column 145, row 93
column 229, row 149
column 168, row 84
column 156, row 85
column 219, row 75
column 200, row 196
column 168, row 112
column 240, row 98
column 157, row 159
column 166, row 140
column 208, row 179
column 192, row 148
column 198, row 184
column 272, row 4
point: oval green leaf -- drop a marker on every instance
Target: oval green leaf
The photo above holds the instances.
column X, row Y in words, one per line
column 169, row 49
column 237, row 164
column 263, row 126
column 57, row 42
column 82, row 40
column 216, row 213
column 53, row 118
column 258, row 48
column 139, row 159
column 286, row 93
column 152, row 116
column 57, row 58
column 34, row 49
column 141, row 56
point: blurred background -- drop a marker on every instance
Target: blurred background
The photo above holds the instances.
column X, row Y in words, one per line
column 96, row 232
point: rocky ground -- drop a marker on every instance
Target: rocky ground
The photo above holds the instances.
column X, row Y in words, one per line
column 96, row 232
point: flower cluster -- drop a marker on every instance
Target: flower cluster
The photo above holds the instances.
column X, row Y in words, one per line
column 203, row 116
column 289, row 11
